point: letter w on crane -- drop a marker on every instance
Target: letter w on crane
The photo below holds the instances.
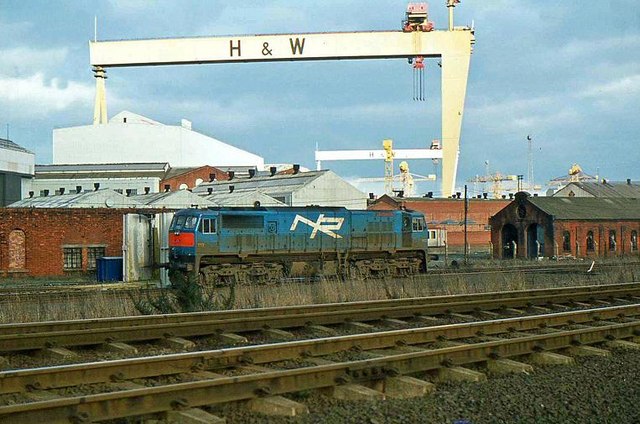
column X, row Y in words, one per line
column 323, row 224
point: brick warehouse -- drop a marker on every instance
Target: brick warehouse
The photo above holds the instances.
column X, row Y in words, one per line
column 530, row 227
column 448, row 214
column 56, row 242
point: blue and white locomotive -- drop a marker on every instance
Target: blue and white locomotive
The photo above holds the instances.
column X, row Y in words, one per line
column 265, row 244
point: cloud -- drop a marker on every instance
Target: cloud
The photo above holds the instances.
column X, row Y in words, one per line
column 618, row 89
column 599, row 46
column 240, row 20
column 130, row 6
column 34, row 95
column 527, row 114
column 10, row 31
column 23, row 60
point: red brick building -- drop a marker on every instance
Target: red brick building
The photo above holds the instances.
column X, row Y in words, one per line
column 191, row 177
column 566, row 226
column 56, row 242
column 448, row 214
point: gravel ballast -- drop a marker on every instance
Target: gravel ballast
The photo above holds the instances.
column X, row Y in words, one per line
column 595, row 390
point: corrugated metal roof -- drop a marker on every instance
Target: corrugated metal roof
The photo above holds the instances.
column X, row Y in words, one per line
column 608, row 189
column 280, row 184
column 104, row 198
column 10, row 145
column 174, row 172
column 103, row 167
column 589, row 208
column 172, row 199
column 244, row 198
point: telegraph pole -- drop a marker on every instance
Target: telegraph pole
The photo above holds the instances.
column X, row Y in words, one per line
column 466, row 211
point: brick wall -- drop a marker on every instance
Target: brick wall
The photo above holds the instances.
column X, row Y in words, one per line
column 189, row 178
column 46, row 231
column 578, row 231
column 439, row 210
column 552, row 233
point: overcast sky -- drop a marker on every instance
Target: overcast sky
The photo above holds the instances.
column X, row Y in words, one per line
column 566, row 72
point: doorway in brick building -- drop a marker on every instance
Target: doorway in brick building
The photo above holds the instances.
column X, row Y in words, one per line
column 535, row 241
column 509, row 241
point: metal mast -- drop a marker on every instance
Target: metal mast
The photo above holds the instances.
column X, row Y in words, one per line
column 530, row 182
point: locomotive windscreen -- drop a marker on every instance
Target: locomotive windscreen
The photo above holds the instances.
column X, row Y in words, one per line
column 183, row 222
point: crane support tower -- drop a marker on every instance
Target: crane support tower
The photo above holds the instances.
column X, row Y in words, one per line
column 453, row 47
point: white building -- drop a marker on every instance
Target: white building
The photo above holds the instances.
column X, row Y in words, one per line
column 132, row 138
column 133, row 177
column 323, row 188
column 16, row 171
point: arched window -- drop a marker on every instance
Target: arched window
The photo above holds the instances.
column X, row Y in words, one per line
column 634, row 241
column 591, row 245
column 17, row 250
column 566, row 241
column 612, row 240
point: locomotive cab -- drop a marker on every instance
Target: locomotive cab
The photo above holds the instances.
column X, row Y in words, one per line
column 189, row 230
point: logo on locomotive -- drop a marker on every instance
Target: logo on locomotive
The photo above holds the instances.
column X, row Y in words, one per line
column 323, row 224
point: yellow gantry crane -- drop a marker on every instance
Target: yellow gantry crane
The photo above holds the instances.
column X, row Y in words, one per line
column 387, row 146
column 496, row 180
column 452, row 47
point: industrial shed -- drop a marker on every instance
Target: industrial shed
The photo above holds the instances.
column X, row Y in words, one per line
column 531, row 227
column 130, row 138
column 180, row 199
column 103, row 198
column 246, row 198
column 16, row 171
column 136, row 177
column 448, row 214
column 323, row 188
column 603, row 188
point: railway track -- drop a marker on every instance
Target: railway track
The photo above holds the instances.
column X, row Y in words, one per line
column 14, row 293
column 374, row 366
column 225, row 324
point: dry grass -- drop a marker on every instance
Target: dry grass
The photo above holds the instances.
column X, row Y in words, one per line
column 104, row 304
column 27, row 308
